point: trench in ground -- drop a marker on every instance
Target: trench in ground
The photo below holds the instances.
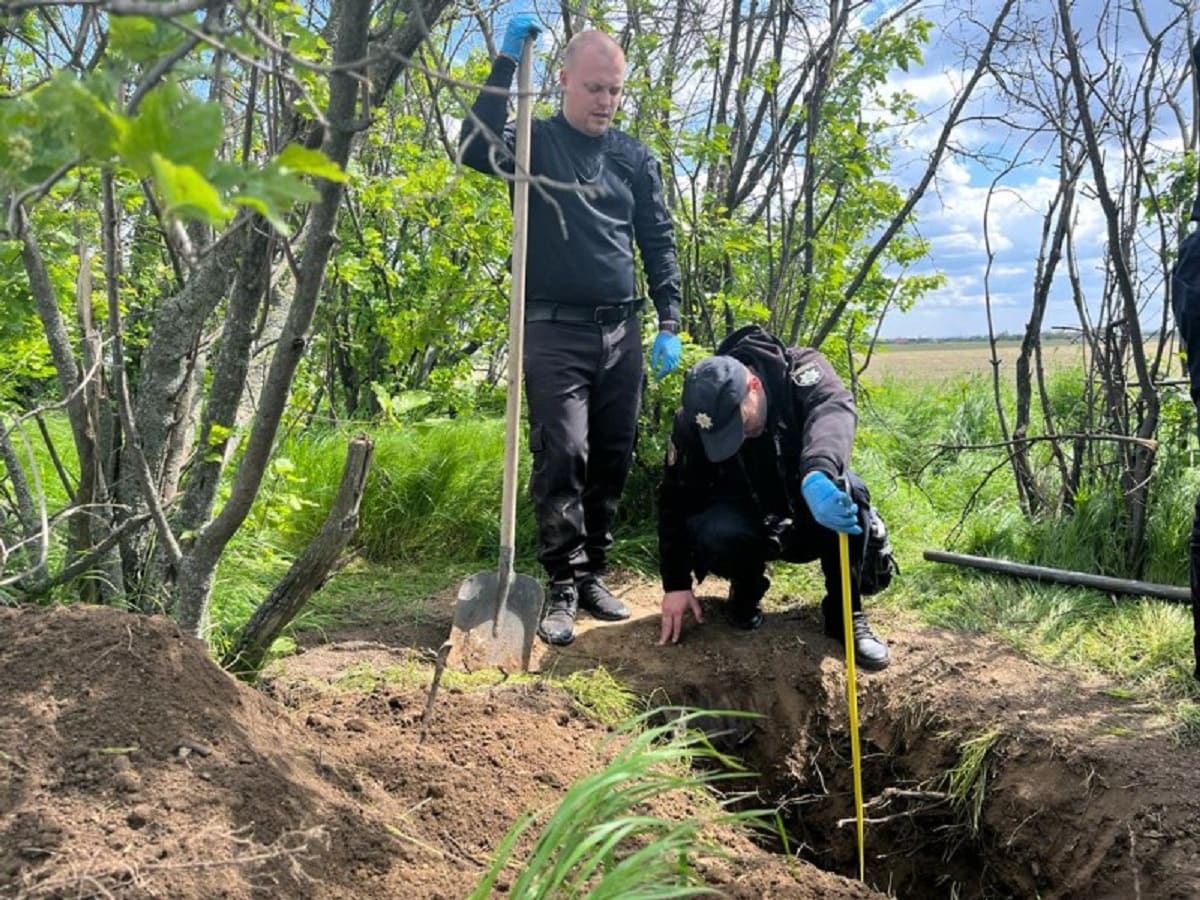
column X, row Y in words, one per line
column 1023, row 818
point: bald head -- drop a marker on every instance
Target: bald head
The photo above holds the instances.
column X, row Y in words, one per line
column 595, row 42
column 592, row 78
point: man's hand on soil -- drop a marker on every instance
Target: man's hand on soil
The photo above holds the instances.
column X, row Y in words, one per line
column 674, row 605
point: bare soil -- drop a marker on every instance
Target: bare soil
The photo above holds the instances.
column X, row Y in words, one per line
column 132, row 766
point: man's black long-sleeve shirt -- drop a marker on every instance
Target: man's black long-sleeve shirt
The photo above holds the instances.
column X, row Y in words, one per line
column 581, row 241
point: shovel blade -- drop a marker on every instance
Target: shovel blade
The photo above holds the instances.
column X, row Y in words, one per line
column 478, row 640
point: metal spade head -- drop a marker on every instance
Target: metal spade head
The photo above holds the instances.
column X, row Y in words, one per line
column 494, row 622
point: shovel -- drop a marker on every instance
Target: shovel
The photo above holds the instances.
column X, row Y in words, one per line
column 497, row 612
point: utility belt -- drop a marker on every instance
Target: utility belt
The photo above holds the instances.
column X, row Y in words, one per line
column 611, row 314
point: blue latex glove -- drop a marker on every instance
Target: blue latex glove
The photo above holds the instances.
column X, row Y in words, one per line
column 830, row 505
column 664, row 355
column 520, row 26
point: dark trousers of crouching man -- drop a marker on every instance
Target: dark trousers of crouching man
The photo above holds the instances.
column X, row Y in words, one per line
column 731, row 539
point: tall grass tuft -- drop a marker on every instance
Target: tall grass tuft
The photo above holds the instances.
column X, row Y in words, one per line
column 967, row 781
column 601, row 841
column 432, row 496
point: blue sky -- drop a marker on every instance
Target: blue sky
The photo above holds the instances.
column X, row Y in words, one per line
column 951, row 214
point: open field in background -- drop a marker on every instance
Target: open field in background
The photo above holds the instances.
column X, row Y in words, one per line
column 938, row 360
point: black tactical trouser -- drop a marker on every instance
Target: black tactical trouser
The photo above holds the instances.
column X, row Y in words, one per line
column 583, row 383
column 1185, row 300
column 730, row 539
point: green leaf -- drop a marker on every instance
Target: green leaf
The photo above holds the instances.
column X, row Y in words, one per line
column 143, row 40
column 261, row 207
column 132, row 36
column 188, row 194
column 297, row 158
column 174, row 126
column 99, row 128
column 272, row 192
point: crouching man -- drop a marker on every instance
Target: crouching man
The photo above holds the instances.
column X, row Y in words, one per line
column 757, row 469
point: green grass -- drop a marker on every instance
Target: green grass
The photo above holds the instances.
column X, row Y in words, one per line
column 594, row 692
column 1143, row 644
column 967, row 780
column 1187, row 717
column 600, row 696
column 603, row 839
column 433, row 493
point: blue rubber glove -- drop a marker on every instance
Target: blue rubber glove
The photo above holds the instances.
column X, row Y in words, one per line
column 520, row 26
column 664, row 355
column 830, row 505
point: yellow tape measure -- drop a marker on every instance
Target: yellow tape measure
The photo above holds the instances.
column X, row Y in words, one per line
column 852, row 698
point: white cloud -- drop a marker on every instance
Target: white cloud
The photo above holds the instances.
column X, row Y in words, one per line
column 929, row 90
column 952, row 214
column 1011, row 271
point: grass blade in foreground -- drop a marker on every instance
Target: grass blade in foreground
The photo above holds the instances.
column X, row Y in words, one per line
column 600, row 842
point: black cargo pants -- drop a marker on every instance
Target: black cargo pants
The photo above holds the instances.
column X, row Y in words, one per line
column 583, row 384
column 1185, row 302
column 729, row 538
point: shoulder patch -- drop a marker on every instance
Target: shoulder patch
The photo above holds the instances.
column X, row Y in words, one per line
column 806, row 375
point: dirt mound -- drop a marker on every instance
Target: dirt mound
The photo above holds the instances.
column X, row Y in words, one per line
column 132, row 766
column 131, row 761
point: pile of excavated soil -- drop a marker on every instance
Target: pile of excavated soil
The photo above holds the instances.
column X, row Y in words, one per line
column 132, row 766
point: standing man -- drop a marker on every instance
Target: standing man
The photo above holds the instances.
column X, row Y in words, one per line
column 758, row 454
column 597, row 193
column 1185, row 304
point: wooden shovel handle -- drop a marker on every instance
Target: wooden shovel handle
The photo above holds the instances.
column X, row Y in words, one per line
column 516, row 312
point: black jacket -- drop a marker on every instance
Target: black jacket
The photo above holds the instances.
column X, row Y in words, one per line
column 581, row 242
column 810, row 427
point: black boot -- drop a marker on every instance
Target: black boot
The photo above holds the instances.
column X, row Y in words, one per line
column 558, row 615
column 870, row 652
column 743, row 609
column 597, row 599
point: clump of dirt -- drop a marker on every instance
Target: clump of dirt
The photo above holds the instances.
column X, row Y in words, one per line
column 132, row 766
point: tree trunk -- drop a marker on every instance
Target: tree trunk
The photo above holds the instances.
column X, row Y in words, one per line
column 228, row 379
column 166, row 368
column 307, row 573
column 192, row 590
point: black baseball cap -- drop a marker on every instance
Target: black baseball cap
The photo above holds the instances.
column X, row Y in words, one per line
column 713, row 391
